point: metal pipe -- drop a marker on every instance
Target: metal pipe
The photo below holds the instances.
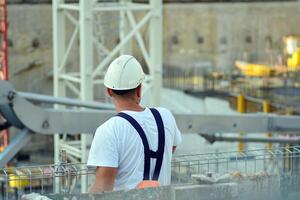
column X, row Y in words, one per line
column 65, row 101
column 214, row 138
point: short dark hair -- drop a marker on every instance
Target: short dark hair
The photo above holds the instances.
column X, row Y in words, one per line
column 123, row 92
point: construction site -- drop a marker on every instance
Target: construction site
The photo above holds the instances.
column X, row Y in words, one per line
column 228, row 70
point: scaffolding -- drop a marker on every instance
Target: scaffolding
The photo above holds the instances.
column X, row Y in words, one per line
column 80, row 82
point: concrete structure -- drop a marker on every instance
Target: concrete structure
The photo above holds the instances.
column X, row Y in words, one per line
column 217, row 33
column 222, row 33
column 272, row 187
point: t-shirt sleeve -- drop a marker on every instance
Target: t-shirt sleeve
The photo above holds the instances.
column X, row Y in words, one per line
column 104, row 149
column 177, row 134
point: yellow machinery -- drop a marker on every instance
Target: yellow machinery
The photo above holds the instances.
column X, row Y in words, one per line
column 292, row 58
column 292, row 52
column 251, row 69
column 293, row 62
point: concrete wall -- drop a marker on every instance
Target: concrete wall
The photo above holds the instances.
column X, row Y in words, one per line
column 222, row 33
column 271, row 187
column 30, row 47
column 193, row 34
column 191, row 192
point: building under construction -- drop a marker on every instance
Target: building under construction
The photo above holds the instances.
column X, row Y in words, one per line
column 228, row 71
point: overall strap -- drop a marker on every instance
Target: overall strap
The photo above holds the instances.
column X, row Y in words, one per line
column 148, row 154
column 161, row 143
column 141, row 132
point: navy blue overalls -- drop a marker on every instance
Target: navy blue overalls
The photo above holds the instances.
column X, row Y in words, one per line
column 148, row 153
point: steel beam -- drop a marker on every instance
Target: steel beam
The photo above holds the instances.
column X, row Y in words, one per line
column 246, row 123
column 64, row 101
column 59, row 52
column 15, row 145
column 155, row 43
column 124, row 29
column 86, row 69
column 49, row 121
column 213, row 138
column 121, row 7
column 117, row 48
column 68, row 6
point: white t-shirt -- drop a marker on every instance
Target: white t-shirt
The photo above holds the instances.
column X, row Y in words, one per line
column 117, row 144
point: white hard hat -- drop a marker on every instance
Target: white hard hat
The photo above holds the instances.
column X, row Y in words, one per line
column 124, row 73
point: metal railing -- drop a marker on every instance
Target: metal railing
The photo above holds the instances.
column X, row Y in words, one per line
column 65, row 178
column 251, row 163
column 194, row 79
column 43, row 179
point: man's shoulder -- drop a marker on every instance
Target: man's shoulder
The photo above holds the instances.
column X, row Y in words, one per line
column 164, row 111
column 166, row 115
column 111, row 124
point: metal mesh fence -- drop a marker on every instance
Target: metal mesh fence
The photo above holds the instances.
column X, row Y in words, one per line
column 261, row 164
column 249, row 164
column 64, row 178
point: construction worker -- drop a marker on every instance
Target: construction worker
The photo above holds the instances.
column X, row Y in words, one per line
column 134, row 148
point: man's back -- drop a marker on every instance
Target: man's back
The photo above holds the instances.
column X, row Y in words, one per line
column 117, row 144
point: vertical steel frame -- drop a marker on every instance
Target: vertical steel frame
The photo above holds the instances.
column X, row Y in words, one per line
column 4, row 136
column 156, row 50
column 59, row 50
column 81, row 83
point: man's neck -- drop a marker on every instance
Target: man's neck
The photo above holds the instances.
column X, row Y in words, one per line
column 128, row 105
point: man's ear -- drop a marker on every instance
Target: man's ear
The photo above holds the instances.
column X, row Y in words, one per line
column 139, row 91
column 109, row 92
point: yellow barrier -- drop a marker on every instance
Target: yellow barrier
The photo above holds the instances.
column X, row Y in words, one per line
column 17, row 179
column 294, row 61
column 267, row 109
column 241, row 107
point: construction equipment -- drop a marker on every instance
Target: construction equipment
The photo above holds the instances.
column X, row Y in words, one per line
column 19, row 111
column 292, row 61
column 251, row 69
column 292, row 52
